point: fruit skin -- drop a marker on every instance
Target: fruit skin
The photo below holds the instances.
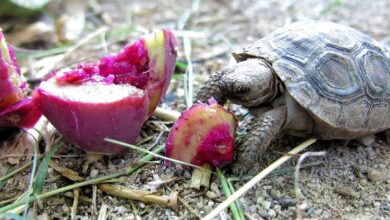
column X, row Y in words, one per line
column 15, row 109
column 23, row 114
column 161, row 49
column 203, row 134
column 86, row 124
column 145, row 66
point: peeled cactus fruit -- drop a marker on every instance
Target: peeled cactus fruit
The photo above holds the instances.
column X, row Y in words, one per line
column 15, row 109
column 203, row 134
column 110, row 99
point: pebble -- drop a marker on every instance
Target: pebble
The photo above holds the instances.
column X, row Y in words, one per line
column 272, row 213
column 311, row 211
column 259, row 200
column 360, row 148
column 276, row 207
column 267, row 187
column 374, row 176
column 142, row 205
column 264, row 214
column 94, row 173
column 215, row 188
column 317, row 212
column 385, row 206
column 359, row 203
column 264, row 193
column 275, row 194
column 286, row 202
column 120, row 210
column 363, row 182
column 187, row 174
column 211, row 195
column 304, row 206
column 65, row 208
column 208, row 208
column 266, row 205
column 253, row 209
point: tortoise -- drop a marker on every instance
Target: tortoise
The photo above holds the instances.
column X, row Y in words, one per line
column 307, row 79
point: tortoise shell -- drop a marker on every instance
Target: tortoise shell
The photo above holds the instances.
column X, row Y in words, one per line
column 338, row 74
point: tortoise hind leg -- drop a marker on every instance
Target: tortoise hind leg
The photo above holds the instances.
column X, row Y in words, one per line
column 370, row 140
column 259, row 138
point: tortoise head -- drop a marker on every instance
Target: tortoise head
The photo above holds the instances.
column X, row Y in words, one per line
column 249, row 83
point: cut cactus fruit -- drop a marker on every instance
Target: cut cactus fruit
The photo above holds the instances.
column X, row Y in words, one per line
column 15, row 109
column 203, row 134
column 110, row 99
column 86, row 114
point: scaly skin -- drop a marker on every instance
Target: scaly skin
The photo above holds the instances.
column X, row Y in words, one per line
column 259, row 138
column 211, row 89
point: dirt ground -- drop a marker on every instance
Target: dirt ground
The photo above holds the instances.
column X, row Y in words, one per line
column 349, row 182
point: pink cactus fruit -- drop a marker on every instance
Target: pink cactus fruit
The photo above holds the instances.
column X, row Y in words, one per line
column 112, row 98
column 15, row 109
column 203, row 134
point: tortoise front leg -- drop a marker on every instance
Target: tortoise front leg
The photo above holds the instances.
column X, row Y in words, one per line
column 259, row 138
column 211, row 89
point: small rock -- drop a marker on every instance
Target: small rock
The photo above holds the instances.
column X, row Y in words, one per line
column 347, row 192
column 259, row 200
column 304, row 206
column 267, row 187
column 187, row 174
column 43, row 216
column 385, row 206
column 272, row 213
column 275, row 194
column 374, row 176
column 276, row 207
column 94, row 173
column 363, row 182
column 208, row 208
column 264, row 193
column 360, row 148
column 286, row 202
column 311, row 211
column 215, row 188
column 264, row 214
column 65, row 208
column 359, row 203
column 317, row 212
column 266, row 205
column 211, row 195
column 120, row 210
column 253, row 209
column 186, row 186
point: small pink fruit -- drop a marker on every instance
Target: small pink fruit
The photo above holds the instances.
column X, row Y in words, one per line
column 203, row 134
column 110, row 99
column 15, row 109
